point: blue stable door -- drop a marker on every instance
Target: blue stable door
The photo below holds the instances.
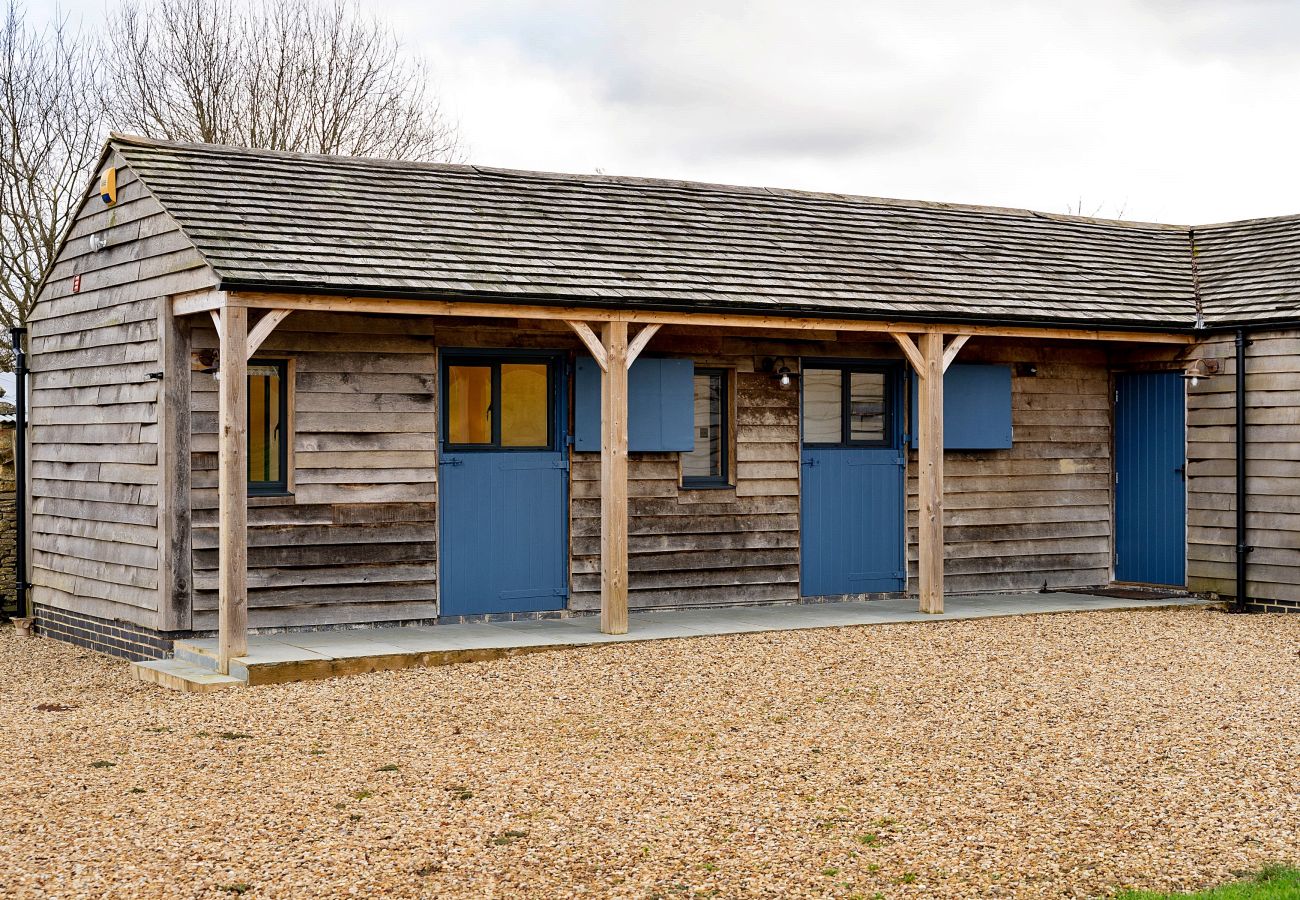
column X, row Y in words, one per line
column 1150, row 478
column 852, row 460
column 503, row 477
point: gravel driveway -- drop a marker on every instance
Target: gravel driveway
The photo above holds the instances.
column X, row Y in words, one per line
column 1047, row 756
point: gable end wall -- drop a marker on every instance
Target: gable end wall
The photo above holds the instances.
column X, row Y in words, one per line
column 93, row 431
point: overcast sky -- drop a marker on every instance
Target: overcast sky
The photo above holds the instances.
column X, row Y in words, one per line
column 1180, row 111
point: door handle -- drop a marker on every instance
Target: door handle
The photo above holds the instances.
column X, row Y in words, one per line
column 1182, row 471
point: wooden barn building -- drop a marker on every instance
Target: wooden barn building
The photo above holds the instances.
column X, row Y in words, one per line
column 274, row 391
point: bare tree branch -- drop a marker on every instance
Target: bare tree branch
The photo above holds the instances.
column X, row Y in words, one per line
column 298, row 75
column 304, row 75
column 50, row 130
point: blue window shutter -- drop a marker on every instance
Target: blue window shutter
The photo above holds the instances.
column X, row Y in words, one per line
column 586, row 405
column 976, row 408
column 661, row 405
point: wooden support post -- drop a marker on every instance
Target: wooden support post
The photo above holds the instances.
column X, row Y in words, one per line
column 613, row 481
column 930, row 474
column 232, row 488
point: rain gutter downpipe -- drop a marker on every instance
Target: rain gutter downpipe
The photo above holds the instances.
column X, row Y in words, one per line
column 1243, row 548
column 20, row 471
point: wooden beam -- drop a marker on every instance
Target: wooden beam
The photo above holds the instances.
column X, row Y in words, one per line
column 593, row 344
column 192, row 302
column 262, row 330
column 908, row 346
column 638, row 343
column 216, row 320
column 506, row 310
column 930, row 475
column 232, row 488
column 953, row 348
column 613, row 481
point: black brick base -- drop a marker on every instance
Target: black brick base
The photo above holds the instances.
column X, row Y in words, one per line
column 133, row 642
column 1273, row 606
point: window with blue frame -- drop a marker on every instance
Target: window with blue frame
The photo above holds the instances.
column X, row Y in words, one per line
column 709, row 463
column 847, row 405
column 268, row 417
column 498, row 403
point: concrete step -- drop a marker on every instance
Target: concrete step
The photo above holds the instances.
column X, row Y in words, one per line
column 179, row 675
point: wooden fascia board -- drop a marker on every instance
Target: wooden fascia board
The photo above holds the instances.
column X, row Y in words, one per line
column 185, row 305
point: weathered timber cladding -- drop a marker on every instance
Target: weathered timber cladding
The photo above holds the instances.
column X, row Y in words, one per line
column 1273, row 469
column 94, row 418
column 1039, row 512
column 704, row 547
column 357, row 540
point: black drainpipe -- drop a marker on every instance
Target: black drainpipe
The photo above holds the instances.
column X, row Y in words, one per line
column 20, row 471
column 1243, row 549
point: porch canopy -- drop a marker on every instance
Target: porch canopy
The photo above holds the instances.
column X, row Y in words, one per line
column 619, row 258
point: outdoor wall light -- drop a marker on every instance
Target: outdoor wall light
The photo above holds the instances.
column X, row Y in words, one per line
column 1201, row 368
column 779, row 371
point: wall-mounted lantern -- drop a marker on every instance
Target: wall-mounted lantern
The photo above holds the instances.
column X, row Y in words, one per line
column 1201, row 368
column 780, row 372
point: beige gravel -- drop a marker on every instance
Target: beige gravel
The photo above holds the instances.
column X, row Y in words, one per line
column 1043, row 756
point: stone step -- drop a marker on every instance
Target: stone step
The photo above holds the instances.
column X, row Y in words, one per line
column 195, row 656
column 179, row 675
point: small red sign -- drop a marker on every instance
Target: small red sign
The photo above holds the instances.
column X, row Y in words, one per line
column 76, row 284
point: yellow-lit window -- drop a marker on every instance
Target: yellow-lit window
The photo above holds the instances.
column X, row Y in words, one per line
column 469, row 404
column 498, row 403
column 267, row 423
column 525, row 396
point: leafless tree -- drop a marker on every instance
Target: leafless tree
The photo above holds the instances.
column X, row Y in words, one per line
column 51, row 126
column 301, row 75
column 305, row 75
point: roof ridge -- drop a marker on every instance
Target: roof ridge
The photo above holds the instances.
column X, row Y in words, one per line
column 644, row 181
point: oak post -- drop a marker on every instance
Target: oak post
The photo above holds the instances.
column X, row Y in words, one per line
column 613, row 480
column 930, row 474
column 232, row 488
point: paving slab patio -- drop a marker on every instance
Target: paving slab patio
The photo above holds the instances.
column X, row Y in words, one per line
column 303, row 655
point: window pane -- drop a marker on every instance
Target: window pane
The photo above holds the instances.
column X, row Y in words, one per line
column 867, row 406
column 822, row 406
column 469, row 405
column 264, row 431
column 524, row 405
column 706, row 460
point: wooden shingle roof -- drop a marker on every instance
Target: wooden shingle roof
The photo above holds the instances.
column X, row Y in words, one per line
column 1249, row 272
column 295, row 222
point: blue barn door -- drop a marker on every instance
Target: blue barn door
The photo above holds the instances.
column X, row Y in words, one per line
column 1150, row 478
column 503, row 479
column 852, row 525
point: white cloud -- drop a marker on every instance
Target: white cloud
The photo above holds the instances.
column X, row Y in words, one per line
column 1172, row 110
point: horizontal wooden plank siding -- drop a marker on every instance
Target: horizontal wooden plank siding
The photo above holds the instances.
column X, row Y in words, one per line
column 1039, row 512
column 1273, row 471
column 357, row 541
column 94, row 355
column 707, row 547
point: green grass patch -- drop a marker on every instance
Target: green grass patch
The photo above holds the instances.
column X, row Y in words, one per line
column 1270, row 883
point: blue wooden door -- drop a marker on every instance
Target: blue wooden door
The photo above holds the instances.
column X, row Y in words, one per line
column 852, row 486
column 503, row 484
column 1150, row 478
